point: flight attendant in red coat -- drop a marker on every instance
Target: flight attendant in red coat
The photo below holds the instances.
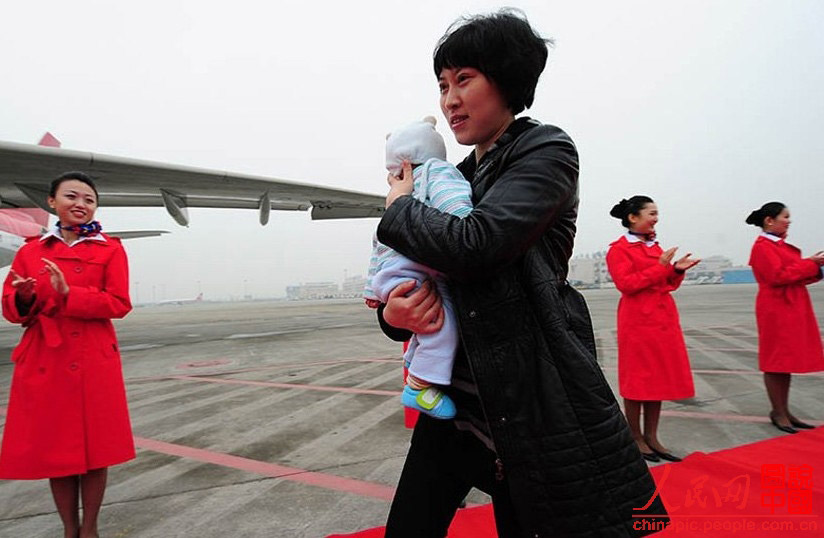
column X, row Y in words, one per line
column 67, row 418
column 789, row 340
column 652, row 356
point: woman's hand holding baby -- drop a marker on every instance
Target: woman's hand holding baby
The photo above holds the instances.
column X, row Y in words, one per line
column 399, row 185
column 420, row 312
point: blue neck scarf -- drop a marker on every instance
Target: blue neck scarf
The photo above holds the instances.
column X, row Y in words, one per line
column 83, row 230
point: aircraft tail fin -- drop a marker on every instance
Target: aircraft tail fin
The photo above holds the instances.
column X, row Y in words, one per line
column 36, row 214
column 49, row 140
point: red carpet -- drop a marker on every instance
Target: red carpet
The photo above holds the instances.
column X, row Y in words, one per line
column 772, row 488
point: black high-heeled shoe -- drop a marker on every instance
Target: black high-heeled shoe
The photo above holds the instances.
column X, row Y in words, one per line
column 785, row 429
column 651, row 456
column 801, row 425
column 666, row 455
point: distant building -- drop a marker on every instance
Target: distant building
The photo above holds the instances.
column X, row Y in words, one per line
column 353, row 286
column 589, row 270
column 313, row 290
column 710, row 267
column 293, row 293
column 738, row 275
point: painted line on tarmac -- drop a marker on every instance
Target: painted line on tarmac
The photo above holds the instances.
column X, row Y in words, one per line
column 323, row 388
column 751, row 372
column 695, row 348
column 752, row 350
column 680, row 414
column 272, row 470
column 302, row 364
column 140, row 347
column 729, row 372
column 270, row 367
column 240, row 336
column 733, row 418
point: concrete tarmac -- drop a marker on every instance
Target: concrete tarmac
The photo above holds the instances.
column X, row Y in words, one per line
column 282, row 419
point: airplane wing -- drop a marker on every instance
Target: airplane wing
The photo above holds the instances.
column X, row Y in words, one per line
column 26, row 171
column 137, row 234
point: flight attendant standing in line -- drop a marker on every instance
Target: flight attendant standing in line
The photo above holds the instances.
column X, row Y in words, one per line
column 652, row 356
column 67, row 417
column 789, row 340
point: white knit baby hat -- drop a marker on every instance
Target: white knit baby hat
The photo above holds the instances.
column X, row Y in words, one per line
column 417, row 143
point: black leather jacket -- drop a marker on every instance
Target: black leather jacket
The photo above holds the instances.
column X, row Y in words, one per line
column 571, row 464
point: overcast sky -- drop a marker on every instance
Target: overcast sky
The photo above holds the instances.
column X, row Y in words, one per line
column 711, row 108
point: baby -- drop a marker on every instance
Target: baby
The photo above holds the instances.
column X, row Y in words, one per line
column 441, row 186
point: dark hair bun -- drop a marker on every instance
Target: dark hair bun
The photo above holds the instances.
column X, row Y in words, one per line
column 756, row 218
column 619, row 210
column 623, row 209
column 770, row 209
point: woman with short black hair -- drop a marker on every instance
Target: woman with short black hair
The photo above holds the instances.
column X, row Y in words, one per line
column 789, row 340
column 537, row 425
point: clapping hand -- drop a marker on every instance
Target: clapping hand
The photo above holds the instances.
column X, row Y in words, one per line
column 666, row 257
column 24, row 286
column 686, row 263
column 682, row 264
column 58, row 280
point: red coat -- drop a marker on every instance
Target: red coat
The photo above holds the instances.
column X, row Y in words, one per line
column 67, row 409
column 789, row 340
column 652, row 355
